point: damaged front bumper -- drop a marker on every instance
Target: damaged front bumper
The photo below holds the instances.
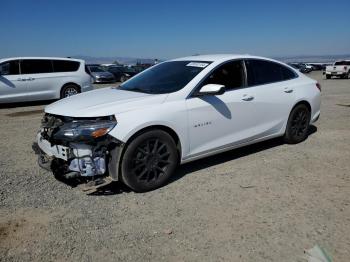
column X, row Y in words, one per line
column 69, row 158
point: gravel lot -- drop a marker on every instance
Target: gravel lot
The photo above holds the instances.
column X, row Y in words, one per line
column 267, row 202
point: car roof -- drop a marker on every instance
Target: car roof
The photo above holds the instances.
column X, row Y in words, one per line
column 40, row 57
column 218, row 57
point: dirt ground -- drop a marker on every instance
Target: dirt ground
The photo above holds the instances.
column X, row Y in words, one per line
column 266, row 202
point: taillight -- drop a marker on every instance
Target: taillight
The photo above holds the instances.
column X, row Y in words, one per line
column 318, row 86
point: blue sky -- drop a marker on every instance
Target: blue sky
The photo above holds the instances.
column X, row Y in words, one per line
column 168, row 29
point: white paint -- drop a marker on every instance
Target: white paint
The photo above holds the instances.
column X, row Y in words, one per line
column 205, row 125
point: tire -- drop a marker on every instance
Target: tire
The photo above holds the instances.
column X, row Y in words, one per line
column 69, row 90
column 149, row 161
column 297, row 129
column 328, row 76
column 123, row 78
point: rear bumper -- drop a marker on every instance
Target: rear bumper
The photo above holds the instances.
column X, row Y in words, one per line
column 87, row 87
column 335, row 73
column 104, row 80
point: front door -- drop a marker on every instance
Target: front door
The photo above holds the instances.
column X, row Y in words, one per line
column 216, row 121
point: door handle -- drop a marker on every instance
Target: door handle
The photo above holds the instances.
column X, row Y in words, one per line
column 21, row 79
column 247, row 98
column 288, row 90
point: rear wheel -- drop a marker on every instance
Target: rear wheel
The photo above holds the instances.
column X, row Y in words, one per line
column 328, row 76
column 298, row 125
column 69, row 90
column 123, row 78
column 149, row 161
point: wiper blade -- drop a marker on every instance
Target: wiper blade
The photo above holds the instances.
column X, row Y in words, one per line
column 137, row 89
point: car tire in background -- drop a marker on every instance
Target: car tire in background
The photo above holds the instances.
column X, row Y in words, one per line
column 69, row 90
column 123, row 78
column 149, row 161
column 297, row 129
column 328, row 76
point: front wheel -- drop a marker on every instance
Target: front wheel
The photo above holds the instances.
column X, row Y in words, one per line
column 149, row 161
column 298, row 125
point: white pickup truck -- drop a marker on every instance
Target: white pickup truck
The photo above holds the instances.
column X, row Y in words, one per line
column 340, row 68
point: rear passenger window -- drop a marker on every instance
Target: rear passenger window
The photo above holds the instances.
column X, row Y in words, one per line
column 10, row 68
column 36, row 66
column 261, row 72
column 65, row 66
column 287, row 73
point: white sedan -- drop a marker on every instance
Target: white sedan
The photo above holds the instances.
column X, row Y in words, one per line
column 176, row 112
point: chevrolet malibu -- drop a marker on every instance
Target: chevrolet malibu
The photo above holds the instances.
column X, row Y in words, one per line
column 176, row 112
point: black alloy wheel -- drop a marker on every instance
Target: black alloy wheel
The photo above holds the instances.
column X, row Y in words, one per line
column 298, row 125
column 149, row 161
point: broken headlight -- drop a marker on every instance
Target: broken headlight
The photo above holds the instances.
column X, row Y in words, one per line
column 84, row 130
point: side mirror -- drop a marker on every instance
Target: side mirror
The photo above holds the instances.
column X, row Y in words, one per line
column 212, row 89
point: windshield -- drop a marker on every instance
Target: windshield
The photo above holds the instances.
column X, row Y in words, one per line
column 165, row 78
column 96, row 69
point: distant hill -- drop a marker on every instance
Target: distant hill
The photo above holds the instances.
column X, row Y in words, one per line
column 121, row 60
column 313, row 58
column 287, row 59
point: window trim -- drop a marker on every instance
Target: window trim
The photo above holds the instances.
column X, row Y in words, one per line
column 268, row 83
column 194, row 92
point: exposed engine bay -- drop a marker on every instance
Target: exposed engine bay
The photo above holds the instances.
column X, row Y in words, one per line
column 73, row 147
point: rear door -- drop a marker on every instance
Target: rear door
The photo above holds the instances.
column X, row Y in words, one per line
column 272, row 87
column 12, row 85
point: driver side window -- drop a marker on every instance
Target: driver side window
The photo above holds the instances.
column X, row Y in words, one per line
column 231, row 75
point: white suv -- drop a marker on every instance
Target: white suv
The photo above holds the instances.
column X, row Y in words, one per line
column 176, row 112
column 41, row 78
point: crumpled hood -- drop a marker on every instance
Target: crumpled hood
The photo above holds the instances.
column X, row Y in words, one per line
column 103, row 102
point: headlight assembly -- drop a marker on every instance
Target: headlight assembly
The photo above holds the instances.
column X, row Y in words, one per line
column 84, row 130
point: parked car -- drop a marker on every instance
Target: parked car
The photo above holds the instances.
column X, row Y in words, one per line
column 141, row 67
column 41, row 78
column 317, row 67
column 307, row 66
column 340, row 69
column 176, row 112
column 99, row 74
column 121, row 73
column 301, row 68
